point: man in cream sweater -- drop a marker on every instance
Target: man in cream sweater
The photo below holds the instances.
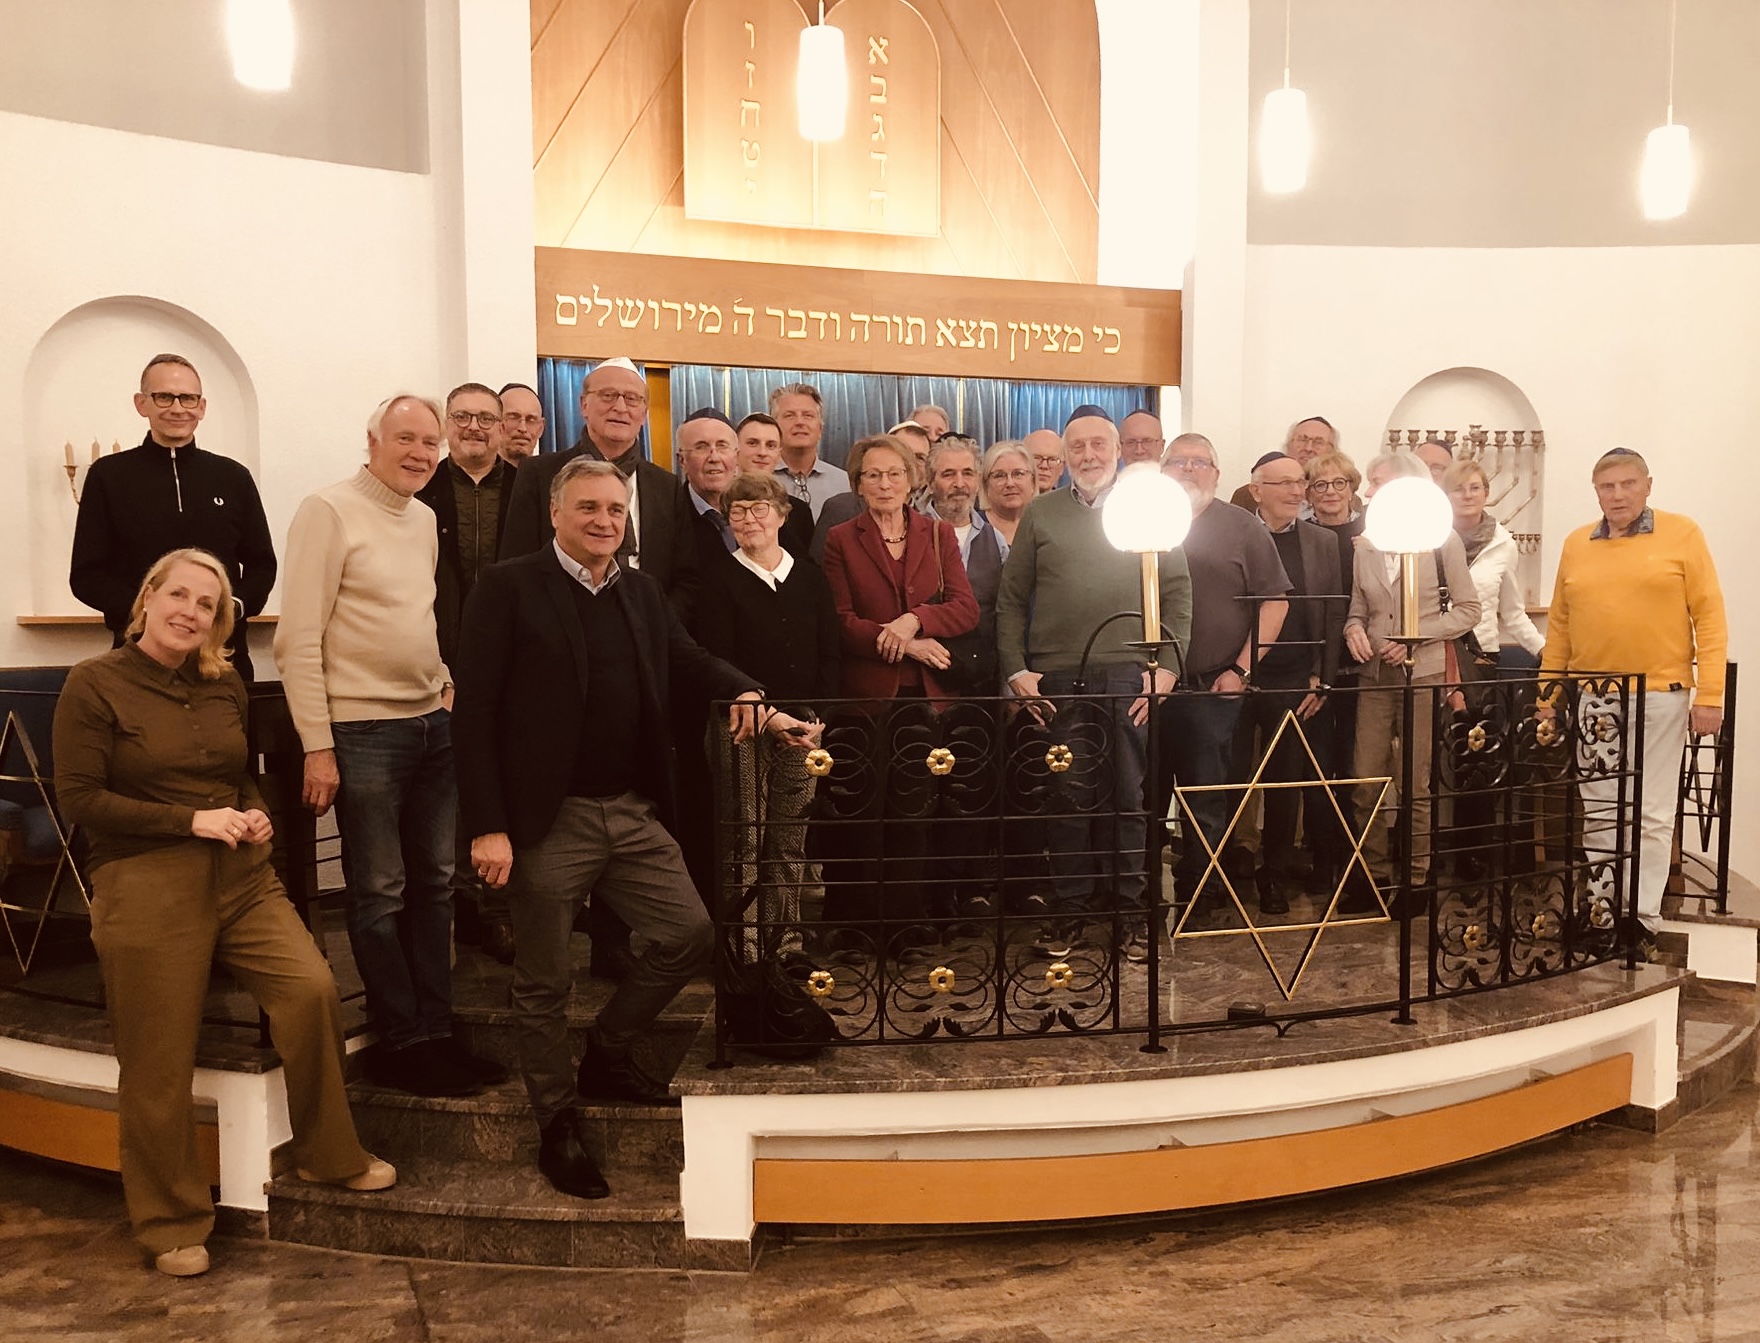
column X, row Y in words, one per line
column 371, row 698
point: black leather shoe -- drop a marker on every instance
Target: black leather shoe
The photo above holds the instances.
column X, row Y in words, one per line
column 483, row 1071
column 563, row 1159
column 1272, row 899
column 498, row 942
column 612, row 962
column 421, row 1069
column 607, row 1077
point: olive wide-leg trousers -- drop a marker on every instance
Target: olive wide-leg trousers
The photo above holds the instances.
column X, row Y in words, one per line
column 159, row 920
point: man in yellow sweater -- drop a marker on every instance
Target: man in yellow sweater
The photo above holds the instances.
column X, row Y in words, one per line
column 1638, row 592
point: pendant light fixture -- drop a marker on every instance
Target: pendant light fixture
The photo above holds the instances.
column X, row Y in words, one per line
column 1666, row 180
column 260, row 36
column 1284, row 143
column 821, row 83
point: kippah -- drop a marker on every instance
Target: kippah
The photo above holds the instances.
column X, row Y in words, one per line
column 707, row 413
column 1270, row 457
column 619, row 362
column 1622, row 452
column 1084, row 411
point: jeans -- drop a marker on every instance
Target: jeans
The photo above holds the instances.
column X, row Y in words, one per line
column 1096, row 836
column 396, row 811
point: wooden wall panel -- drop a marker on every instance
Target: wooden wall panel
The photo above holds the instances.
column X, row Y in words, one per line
column 1020, row 143
column 1047, row 34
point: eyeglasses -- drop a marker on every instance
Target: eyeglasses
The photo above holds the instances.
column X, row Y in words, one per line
column 1142, row 443
column 1311, row 440
column 1019, row 473
column 892, row 477
column 522, row 419
column 757, row 512
column 188, row 400
column 608, row 397
column 1047, row 461
column 486, row 419
column 1336, row 485
column 1297, row 481
column 1189, row 466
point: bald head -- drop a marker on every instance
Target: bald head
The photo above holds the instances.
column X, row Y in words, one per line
column 1045, row 447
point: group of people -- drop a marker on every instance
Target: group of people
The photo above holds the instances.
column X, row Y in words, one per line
column 501, row 667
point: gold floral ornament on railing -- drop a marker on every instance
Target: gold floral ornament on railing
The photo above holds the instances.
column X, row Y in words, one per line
column 819, row 762
column 1059, row 758
column 1058, row 975
column 1475, row 938
column 941, row 979
column 820, row 983
column 1476, row 737
column 940, row 761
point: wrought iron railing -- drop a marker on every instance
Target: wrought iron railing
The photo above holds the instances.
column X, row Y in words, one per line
column 1707, row 790
column 969, row 871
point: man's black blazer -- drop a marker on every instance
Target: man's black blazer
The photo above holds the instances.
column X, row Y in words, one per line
column 521, row 691
column 666, row 541
column 449, row 584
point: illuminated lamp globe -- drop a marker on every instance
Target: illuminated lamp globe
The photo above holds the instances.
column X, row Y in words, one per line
column 822, row 82
column 260, row 35
column 1408, row 515
column 1146, row 511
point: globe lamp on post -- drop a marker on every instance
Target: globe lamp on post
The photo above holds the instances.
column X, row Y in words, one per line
column 1408, row 517
column 1145, row 514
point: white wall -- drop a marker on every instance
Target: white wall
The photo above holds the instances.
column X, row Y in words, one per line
column 1653, row 348
column 332, row 285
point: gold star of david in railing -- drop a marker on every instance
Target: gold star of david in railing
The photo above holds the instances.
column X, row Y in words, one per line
column 14, row 738
column 1250, row 792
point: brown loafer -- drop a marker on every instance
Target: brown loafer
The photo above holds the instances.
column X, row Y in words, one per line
column 378, row 1175
column 186, row 1261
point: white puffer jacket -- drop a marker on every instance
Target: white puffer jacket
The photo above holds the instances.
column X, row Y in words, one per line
column 1505, row 618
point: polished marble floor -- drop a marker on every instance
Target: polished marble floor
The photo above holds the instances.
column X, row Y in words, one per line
column 1602, row 1234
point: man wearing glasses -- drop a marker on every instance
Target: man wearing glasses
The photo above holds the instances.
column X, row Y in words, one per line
column 1306, row 440
column 1238, row 585
column 1141, row 438
column 522, row 423
column 659, row 537
column 1047, row 451
column 164, row 495
column 469, row 494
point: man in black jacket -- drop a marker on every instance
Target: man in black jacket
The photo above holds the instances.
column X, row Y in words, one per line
column 164, row 495
column 469, row 494
column 563, row 742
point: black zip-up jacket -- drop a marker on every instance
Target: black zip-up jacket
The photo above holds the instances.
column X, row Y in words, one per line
column 139, row 504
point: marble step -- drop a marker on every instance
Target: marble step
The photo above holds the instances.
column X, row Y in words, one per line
column 497, row 1128
column 490, row 1031
column 470, row 1212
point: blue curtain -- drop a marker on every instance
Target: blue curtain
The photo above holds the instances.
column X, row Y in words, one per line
column 857, row 404
column 1046, row 405
column 559, row 394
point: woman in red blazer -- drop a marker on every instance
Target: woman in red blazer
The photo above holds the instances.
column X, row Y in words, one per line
column 900, row 587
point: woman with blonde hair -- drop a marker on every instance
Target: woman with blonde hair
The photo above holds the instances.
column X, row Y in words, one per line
column 151, row 762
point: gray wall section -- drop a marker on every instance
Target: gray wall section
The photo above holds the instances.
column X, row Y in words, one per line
column 1508, row 123
column 163, row 68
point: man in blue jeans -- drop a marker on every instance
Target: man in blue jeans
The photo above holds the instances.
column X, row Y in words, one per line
column 1238, row 582
column 360, row 664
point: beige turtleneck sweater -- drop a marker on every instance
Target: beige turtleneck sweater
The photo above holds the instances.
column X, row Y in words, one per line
column 356, row 636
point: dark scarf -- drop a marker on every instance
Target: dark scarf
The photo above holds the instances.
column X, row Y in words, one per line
column 626, row 464
column 1480, row 537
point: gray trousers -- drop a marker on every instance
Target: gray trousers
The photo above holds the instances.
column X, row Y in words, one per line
column 616, row 848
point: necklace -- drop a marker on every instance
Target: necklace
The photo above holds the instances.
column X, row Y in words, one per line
column 893, row 540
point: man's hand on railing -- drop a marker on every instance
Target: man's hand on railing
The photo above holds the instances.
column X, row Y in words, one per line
column 1705, row 720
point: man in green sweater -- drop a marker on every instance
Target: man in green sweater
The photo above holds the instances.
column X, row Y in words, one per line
column 371, row 698
column 1061, row 580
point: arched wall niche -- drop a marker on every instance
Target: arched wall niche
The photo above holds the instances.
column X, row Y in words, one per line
column 1490, row 419
column 79, row 388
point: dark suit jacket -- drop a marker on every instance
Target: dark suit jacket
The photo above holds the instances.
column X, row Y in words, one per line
column 839, row 509
column 521, row 691
column 1322, row 576
column 867, row 595
column 665, row 544
column 788, row 638
column 449, row 580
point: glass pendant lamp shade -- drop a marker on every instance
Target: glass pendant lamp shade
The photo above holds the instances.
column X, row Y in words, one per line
column 1284, row 143
column 1666, row 182
column 822, row 83
column 1408, row 515
column 1146, row 511
column 259, row 34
